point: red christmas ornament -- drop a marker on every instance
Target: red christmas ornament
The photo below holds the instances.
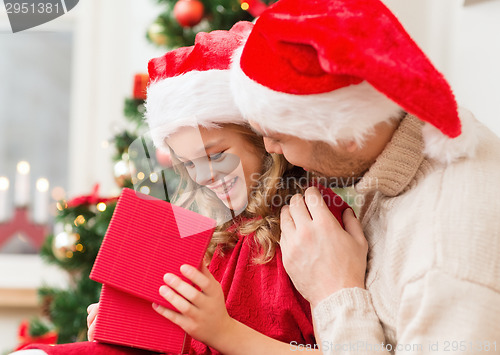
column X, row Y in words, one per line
column 188, row 12
column 164, row 158
column 140, row 84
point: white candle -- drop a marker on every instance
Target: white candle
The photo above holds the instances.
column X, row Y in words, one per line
column 4, row 190
column 22, row 194
column 41, row 203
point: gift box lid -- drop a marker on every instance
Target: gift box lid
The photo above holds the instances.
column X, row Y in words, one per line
column 147, row 238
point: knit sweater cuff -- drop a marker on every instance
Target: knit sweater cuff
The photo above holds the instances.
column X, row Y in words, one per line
column 340, row 301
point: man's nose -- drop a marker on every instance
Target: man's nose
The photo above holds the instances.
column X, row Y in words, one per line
column 272, row 146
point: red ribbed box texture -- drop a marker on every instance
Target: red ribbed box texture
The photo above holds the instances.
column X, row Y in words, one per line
column 146, row 238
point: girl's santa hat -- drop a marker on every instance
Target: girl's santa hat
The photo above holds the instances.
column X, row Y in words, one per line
column 331, row 70
column 189, row 86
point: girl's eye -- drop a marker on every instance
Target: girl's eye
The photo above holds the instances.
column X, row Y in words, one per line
column 188, row 164
column 217, row 156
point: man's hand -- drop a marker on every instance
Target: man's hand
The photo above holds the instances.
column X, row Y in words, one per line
column 318, row 254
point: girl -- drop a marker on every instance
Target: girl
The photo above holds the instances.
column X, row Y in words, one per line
column 244, row 302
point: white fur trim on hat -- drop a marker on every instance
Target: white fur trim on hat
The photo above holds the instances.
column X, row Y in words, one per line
column 196, row 98
column 349, row 113
column 447, row 150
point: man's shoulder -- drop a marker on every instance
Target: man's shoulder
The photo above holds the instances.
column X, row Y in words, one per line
column 475, row 177
column 460, row 196
column 486, row 152
column 453, row 212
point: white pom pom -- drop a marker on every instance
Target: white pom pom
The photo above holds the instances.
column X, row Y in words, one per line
column 447, row 150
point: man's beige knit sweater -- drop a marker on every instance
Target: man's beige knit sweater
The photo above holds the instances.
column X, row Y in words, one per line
column 433, row 278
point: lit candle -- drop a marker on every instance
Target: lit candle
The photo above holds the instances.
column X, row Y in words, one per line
column 22, row 194
column 41, row 203
column 4, row 190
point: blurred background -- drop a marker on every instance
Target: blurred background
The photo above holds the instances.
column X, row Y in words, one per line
column 71, row 99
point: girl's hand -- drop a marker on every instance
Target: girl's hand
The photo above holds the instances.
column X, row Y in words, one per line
column 92, row 315
column 203, row 314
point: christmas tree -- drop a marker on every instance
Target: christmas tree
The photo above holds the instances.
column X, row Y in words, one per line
column 82, row 222
column 80, row 228
column 178, row 24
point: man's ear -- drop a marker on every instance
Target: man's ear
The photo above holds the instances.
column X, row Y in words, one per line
column 349, row 146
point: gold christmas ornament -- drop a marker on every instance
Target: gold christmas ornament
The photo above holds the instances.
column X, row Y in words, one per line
column 156, row 33
column 122, row 173
column 64, row 245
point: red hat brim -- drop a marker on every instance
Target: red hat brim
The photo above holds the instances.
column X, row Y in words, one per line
column 318, row 46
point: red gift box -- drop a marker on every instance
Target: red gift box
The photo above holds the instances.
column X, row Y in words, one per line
column 146, row 238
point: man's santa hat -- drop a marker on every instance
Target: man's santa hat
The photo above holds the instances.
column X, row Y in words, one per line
column 189, row 86
column 331, row 70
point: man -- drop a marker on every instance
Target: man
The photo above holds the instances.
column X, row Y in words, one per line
column 340, row 88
